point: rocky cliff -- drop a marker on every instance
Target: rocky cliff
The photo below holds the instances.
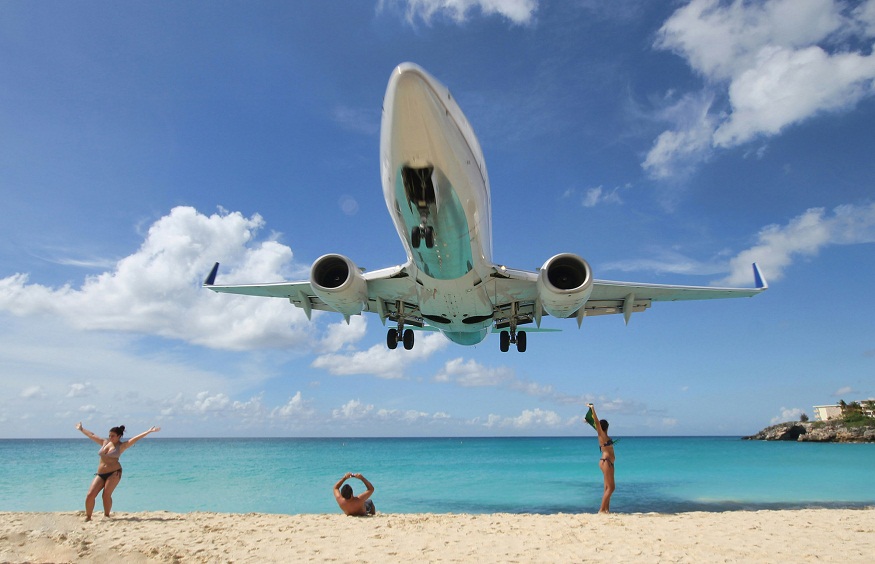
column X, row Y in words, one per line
column 817, row 431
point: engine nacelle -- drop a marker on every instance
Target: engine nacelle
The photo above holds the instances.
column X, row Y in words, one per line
column 564, row 284
column 339, row 283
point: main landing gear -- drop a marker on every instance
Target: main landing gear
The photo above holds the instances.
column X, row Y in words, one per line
column 399, row 334
column 511, row 336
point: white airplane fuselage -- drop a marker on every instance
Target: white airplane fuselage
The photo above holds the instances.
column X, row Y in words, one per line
column 425, row 132
column 437, row 192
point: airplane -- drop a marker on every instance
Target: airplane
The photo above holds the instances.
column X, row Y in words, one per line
column 437, row 192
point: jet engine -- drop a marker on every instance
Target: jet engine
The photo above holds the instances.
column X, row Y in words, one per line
column 339, row 283
column 564, row 284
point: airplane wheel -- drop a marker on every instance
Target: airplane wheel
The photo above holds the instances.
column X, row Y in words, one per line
column 408, row 339
column 392, row 339
column 429, row 237
column 504, row 341
column 414, row 237
column 521, row 341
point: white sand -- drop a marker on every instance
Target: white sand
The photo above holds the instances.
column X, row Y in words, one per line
column 751, row 536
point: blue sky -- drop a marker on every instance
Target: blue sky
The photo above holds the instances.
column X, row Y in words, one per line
column 668, row 142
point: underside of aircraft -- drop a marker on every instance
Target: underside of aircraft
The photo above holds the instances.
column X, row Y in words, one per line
column 437, row 192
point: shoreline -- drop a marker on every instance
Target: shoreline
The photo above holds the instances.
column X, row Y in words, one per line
column 798, row 535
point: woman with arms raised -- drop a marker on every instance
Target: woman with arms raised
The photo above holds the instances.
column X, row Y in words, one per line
column 109, row 470
column 606, row 462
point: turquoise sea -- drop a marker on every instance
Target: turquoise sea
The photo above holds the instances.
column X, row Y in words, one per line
column 443, row 475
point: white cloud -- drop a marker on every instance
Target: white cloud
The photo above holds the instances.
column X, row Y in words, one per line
column 865, row 14
column 517, row 11
column 358, row 412
column 296, row 408
column 352, row 410
column 157, row 290
column 380, row 361
column 472, row 374
column 529, row 419
column 338, row 335
column 803, row 236
column 777, row 247
column 676, row 152
column 32, row 392
column 787, row 414
column 844, row 391
column 787, row 86
column 599, row 195
column 366, row 122
column 80, row 389
column 779, row 63
column 721, row 40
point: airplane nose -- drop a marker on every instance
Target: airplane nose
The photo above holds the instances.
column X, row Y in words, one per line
column 411, row 85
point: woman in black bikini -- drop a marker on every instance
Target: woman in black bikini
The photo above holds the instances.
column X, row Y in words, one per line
column 109, row 471
column 606, row 462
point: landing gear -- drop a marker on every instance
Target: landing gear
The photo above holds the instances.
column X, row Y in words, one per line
column 419, row 186
column 506, row 338
column 399, row 334
column 512, row 336
column 395, row 336
column 421, row 232
column 521, row 341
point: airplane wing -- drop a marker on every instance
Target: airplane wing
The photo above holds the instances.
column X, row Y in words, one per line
column 517, row 289
column 390, row 291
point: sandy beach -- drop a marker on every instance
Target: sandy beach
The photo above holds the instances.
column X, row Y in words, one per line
column 807, row 535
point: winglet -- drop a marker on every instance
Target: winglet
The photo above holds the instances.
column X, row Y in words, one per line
column 758, row 278
column 211, row 277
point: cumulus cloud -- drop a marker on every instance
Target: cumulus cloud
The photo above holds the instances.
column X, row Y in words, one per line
column 529, row 419
column 341, row 334
column 470, row 374
column 519, row 12
column 803, row 236
column 354, row 411
column 776, row 62
column 379, row 360
column 296, row 408
column 787, row 86
column 80, row 389
column 777, row 247
column 157, row 290
column 787, row 414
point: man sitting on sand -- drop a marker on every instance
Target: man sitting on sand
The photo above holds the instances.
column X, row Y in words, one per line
column 352, row 504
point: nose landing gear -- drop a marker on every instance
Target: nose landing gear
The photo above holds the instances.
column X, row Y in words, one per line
column 422, row 232
column 419, row 186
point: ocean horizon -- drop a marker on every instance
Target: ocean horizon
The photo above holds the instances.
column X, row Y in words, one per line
column 442, row 475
